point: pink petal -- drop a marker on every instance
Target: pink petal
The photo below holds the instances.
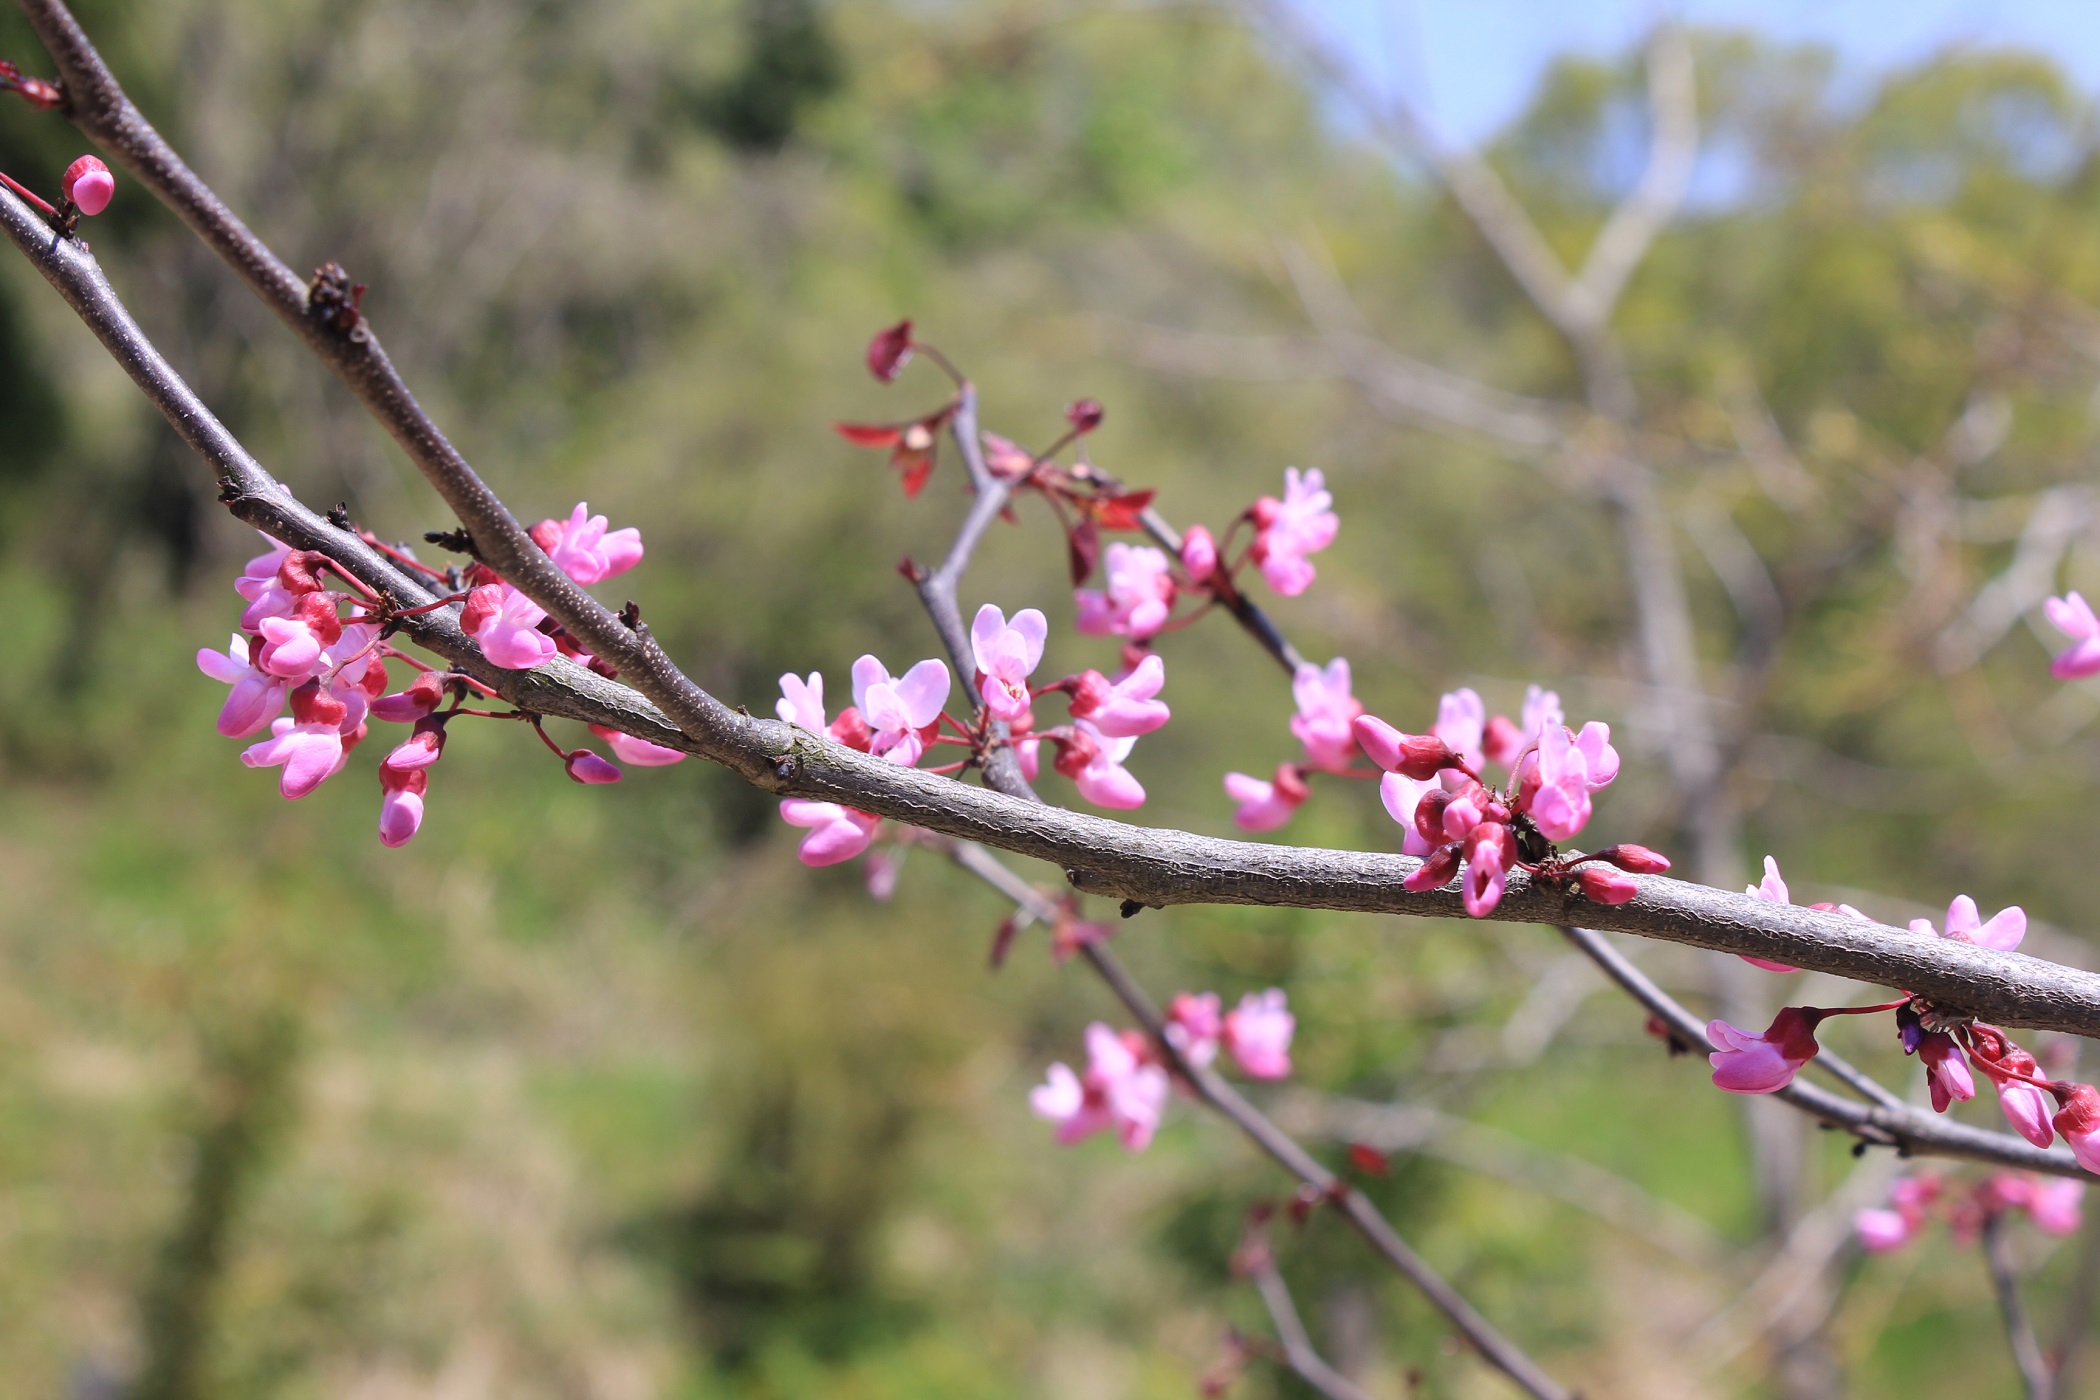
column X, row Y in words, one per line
column 923, row 691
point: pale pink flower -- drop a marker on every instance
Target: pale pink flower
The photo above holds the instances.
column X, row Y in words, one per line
column 1461, row 722
column 1194, row 1026
column 1882, row 1231
column 2073, row 617
column 1119, row 1093
column 1487, row 877
column 584, row 551
column 506, row 624
column 1946, row 1072
column 1286, row 531
column 1762, row 1064
column 1140, row 595
column 401, row 805
column 1006, row 657
column 1265, row 806
column 1258, row 1033
column 1326, row 710
column 259, row 584
column 292, row 645
column 1569, row 767
column 1199, row 553
column 1965, row 925
column 308, row 746
column 835, row 833
column 1773, row 889
column 801, row 701
column 257, row 696
column 1094, row 762
column 880, row 872
column 1125, row 708
column 1402, row 795
column 639, row 753
column 901, row 713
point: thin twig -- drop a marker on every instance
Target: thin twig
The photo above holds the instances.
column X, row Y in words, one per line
column 2019, row 1329
column 1298, row 1353
column 2077, row 1325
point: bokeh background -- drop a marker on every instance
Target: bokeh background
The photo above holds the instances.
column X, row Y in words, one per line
column 598, row 1093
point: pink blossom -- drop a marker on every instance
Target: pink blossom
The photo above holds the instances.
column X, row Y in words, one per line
column 1763, row 1064
column 1487, row 873
column 1964, row 925
column 1139, row 597
column 1604, row 886
column 1568, row 769
column 2079, row 1122
column 1504, row 742
column 835, row 833
column 1125, row 708
column 89, row 184
column 880, row 873
column 1258, row 1034
column 901, row 713
column 1094, row 762
column 1461, row 721
column 1883, row 1231
column 1119, row 1093
column 639, row 753
column 401, row 805
column 2055, row 1205
column 802, row 701
column 423, row 695
column 1199, row 553
column 421, row 749
column 1946, row 1072
column 1265, row 806
column 584, row 551
column 1326, row 710
column 1006, row 657
column 1194, row 1026
column 259, row 584
column 1286, row 531
column 2073, row 617
column 293, row 644
column 587, row 768
column 308, row 746
column 257, row 696
column 506, row 624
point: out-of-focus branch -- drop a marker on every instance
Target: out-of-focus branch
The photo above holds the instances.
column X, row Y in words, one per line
column 2077, row 1324
column 2035, row 1378
column 1673, row 146
column 1298, row 1353
column 1887, row 1121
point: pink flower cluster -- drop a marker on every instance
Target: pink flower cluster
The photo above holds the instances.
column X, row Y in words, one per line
column 1124, row 1087
column 890, row 718
column 2053, row 1204
column 320, row 652
column 1326, row 712
column 1463, row 826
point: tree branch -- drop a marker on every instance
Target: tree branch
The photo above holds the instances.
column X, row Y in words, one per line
column 2019, row 1329
column 1673, row 146
column 1298, row 1353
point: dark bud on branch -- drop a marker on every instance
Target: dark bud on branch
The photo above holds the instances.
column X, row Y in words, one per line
column 1085, row 415
column 890, row 351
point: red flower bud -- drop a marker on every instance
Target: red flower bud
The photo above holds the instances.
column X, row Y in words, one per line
column 1601, row 886
column 1437, row 869
column 586, row 767
column 1492, row 834
column 1089, row 689
column 1429, row 815
column 313, row 705
column 851, row 730
column 481, row 605
column 890, row 351
column 1418, row 756
column 1638, row 859
column 1199, row 553
column 89, row 184
column 547, row 534
column 2080, row 1113
column 1085, row 416
column 1290, row 783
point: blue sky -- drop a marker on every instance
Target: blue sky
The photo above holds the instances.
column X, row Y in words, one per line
column 1472, row 63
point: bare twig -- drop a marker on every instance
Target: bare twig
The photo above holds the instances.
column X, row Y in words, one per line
column 1298, row 1353
column 2077, row 1325
column 2019, row 1329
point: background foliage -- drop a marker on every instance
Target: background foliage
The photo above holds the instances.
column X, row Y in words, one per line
column 598, row 1093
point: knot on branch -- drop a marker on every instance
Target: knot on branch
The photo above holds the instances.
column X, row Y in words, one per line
column 334, row 300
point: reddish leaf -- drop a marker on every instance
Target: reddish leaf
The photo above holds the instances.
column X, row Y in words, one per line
column 1003, row 941
column 1366, row 1158
column 916, row 466
column 1120, row 512
column 870, row 434
column 890, row 351
column 1084, row 543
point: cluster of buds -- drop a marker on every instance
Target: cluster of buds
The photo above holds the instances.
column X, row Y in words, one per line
column 1124, row 1087
column 1462, row 825
column 2053, row 1204
column 324, row 654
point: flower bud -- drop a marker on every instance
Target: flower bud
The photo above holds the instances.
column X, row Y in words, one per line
column 851, row 730
column 890, row 351
column 89, row 184
column 482, row 604
column 1417, row 756
column 1437, row 869
column 1601, row 886
column 586, row 767
column 313, row 705
column 423, row 695
column 1502, row 741
column 1074, row 752
column 1638, row 859
column 1429, row 815
column 1199, row 553
column 1085, row 415
column 1290, row 783
column 420, row 750
column 1490, row 835
column 1089, row 689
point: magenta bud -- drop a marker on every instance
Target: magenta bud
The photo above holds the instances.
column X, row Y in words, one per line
column 1417, row 756
column 586, row 767
column 1601, row 886
column 1199, row 553
column 1638, row 859
column 1429, row 816
column 89, row 184
column 1085, row 415
column 1437, row 869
